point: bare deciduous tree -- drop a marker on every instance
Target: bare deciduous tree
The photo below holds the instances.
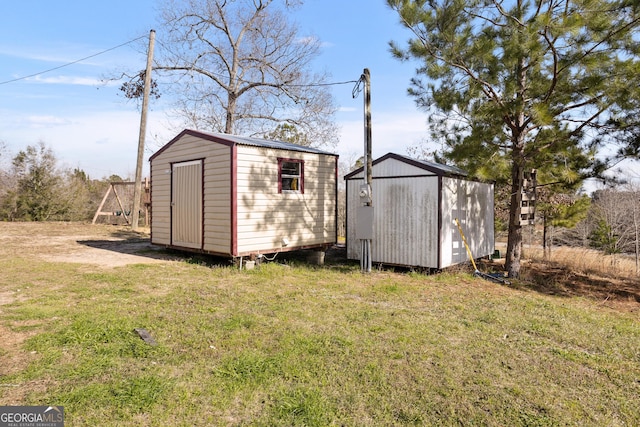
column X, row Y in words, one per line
column 5, row 178
column 613, row 215
column 633, row 200
column 242, row 67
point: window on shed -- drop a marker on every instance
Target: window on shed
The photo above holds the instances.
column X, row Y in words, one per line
column 290, row 176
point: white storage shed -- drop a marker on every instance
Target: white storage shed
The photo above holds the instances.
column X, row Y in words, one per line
column 415, row 205
column 237, row 196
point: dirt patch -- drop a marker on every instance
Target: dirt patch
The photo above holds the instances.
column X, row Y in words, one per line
column 554, row 278
column 111, row 253
column 101, row 245
column 14, row 359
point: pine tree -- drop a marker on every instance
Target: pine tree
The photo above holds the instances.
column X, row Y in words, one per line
column 36, row 196
column 515, row 86
column 604, row 238
column 559, row 209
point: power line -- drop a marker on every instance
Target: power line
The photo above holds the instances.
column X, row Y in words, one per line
column 73, row 62
column 222, row 76
column 323, row 84
column 142, row 37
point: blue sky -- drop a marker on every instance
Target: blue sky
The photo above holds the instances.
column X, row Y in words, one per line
column 89, row 125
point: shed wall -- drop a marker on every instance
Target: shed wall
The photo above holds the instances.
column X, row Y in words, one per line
column 393, row 168
column 472, row 203
column 414, row 219
column 265, row 217
column 405, row 220
column 216, row 193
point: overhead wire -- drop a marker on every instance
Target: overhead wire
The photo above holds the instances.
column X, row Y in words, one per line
column 358, row 87
column 323, row 84
column 72, row 62
column 144, row 36
column 284, row 85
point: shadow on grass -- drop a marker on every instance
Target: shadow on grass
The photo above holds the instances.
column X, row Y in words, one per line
column 133, row 243
column 132, row 246
column 547, row 278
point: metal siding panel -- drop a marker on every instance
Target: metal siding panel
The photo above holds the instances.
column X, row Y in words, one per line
column 352, row 203
column 480, row 218
column 233, row 189
column 160, row 191
column 405, row 221
column 217, row 201
column 393, row 168
column 452, row 246
column 472, row 203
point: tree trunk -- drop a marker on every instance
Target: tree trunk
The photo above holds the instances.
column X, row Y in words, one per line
column 514, row 242
column 636, row 227
column 545, row 238
column 231, row 111
column 518, row 162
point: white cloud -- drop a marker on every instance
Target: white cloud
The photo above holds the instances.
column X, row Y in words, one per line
column 103, row 140
column 59, row 52
column 31, row 55
column 39, row 122
column 347, row 109
column 393, row 131
column 71, row 80
column 307, row 40
column 101, row 143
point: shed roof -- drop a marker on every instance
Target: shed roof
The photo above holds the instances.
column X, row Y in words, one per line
column 435, row 168
column 230, row 140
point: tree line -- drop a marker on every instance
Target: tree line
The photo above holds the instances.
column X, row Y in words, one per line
column 611, row 224
column 34, row 187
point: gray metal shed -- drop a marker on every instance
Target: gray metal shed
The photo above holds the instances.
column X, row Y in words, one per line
column 238, row 196
column 415, row 206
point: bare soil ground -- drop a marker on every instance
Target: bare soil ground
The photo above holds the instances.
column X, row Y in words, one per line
column 101, row 245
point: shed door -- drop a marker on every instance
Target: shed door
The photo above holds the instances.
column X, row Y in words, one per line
column 186, row 204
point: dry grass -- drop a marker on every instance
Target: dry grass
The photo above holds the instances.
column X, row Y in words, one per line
column 588, row 261
column 578, row 272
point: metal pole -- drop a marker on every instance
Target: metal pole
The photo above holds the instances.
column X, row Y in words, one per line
column 143, row 131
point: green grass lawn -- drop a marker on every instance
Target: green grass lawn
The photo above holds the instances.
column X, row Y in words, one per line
column 294, row 345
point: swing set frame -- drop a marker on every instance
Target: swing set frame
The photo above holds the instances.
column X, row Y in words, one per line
column 124, row 212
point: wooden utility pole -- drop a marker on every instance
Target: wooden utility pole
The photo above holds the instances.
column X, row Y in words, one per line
column 137, row 193
column 367, row 127
column 366, row 212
